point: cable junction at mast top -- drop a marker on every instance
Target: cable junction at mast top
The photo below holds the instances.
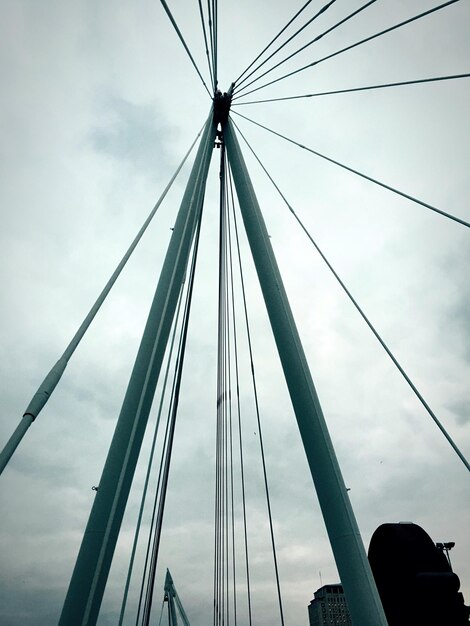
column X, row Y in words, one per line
column 222, row 103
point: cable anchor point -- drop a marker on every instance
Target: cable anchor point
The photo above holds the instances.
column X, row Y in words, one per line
column 222, row 103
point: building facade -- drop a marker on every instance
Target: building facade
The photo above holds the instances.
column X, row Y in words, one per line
column 329, row 608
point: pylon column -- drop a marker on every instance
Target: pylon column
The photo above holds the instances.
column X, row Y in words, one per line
column 93, row 563
column 356, row 576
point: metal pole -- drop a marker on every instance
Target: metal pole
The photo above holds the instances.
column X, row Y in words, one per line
column 89, row 577
column 48, row 385
column 356, row 576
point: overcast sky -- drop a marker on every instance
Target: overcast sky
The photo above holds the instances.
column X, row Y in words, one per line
column 99, row 103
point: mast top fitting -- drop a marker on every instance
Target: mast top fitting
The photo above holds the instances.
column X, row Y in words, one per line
column 222, row 103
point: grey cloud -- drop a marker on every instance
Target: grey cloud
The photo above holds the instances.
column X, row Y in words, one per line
column 138, row 135
column 462, row 411
column 116, row 105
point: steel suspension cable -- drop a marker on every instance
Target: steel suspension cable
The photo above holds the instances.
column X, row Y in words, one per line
column 178, row 32
column 210, row 19
column 283, row 45
column 155, row 505
column 216, row 18
column 161, row 613
column 263, row 459
column 206, row 45
column 225, row 560
column 226, row 436
column 232, row 311
column 157, row 490
column 50, row 382
column 361, row 174
column 352, row 89
column 174, row 410
column 225, row 404
column 224, row 425
column 149, row 465
column 147, row 606
column 227, row 429
column 354, row 45
column 216, row 526
column 364, row 317
column 221, row 403
column 240, row 438
column 314, row 40
column 274, row 39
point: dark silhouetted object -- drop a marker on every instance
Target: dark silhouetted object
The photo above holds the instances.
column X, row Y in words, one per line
column 415, row 579
column 445, row 547
column 222, row 102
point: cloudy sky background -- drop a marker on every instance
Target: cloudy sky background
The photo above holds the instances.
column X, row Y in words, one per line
column 98, row 105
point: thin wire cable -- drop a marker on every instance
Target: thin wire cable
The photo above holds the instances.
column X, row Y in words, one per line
column 221, row 400
column 363, row 315
column 240, row 437
column 149, row 465
column 161, row 613
column 216, row 531
column 317, row 38
column 230, row 332
column 178, row 32
column 174, row 410
column 226, row 429
column 154, row 508
column 263, row 459
column 222, row 406
column 283, row 45
column 232, row 311
column 216, row 528
column 352, row 89
column 157, row 490
column 354, row 45
column 152, row 525
column 228, row 457
column 211, row 38
column 152, row 530
column 274, row 39
column 215, row 620
column 226, row 351
column 216, row 18
column 206, row 45
column 172, row 421
column 221, row 397
column 361, row 174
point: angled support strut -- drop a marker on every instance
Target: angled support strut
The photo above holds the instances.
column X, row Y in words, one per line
column 353, row 566
column 93, row 563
